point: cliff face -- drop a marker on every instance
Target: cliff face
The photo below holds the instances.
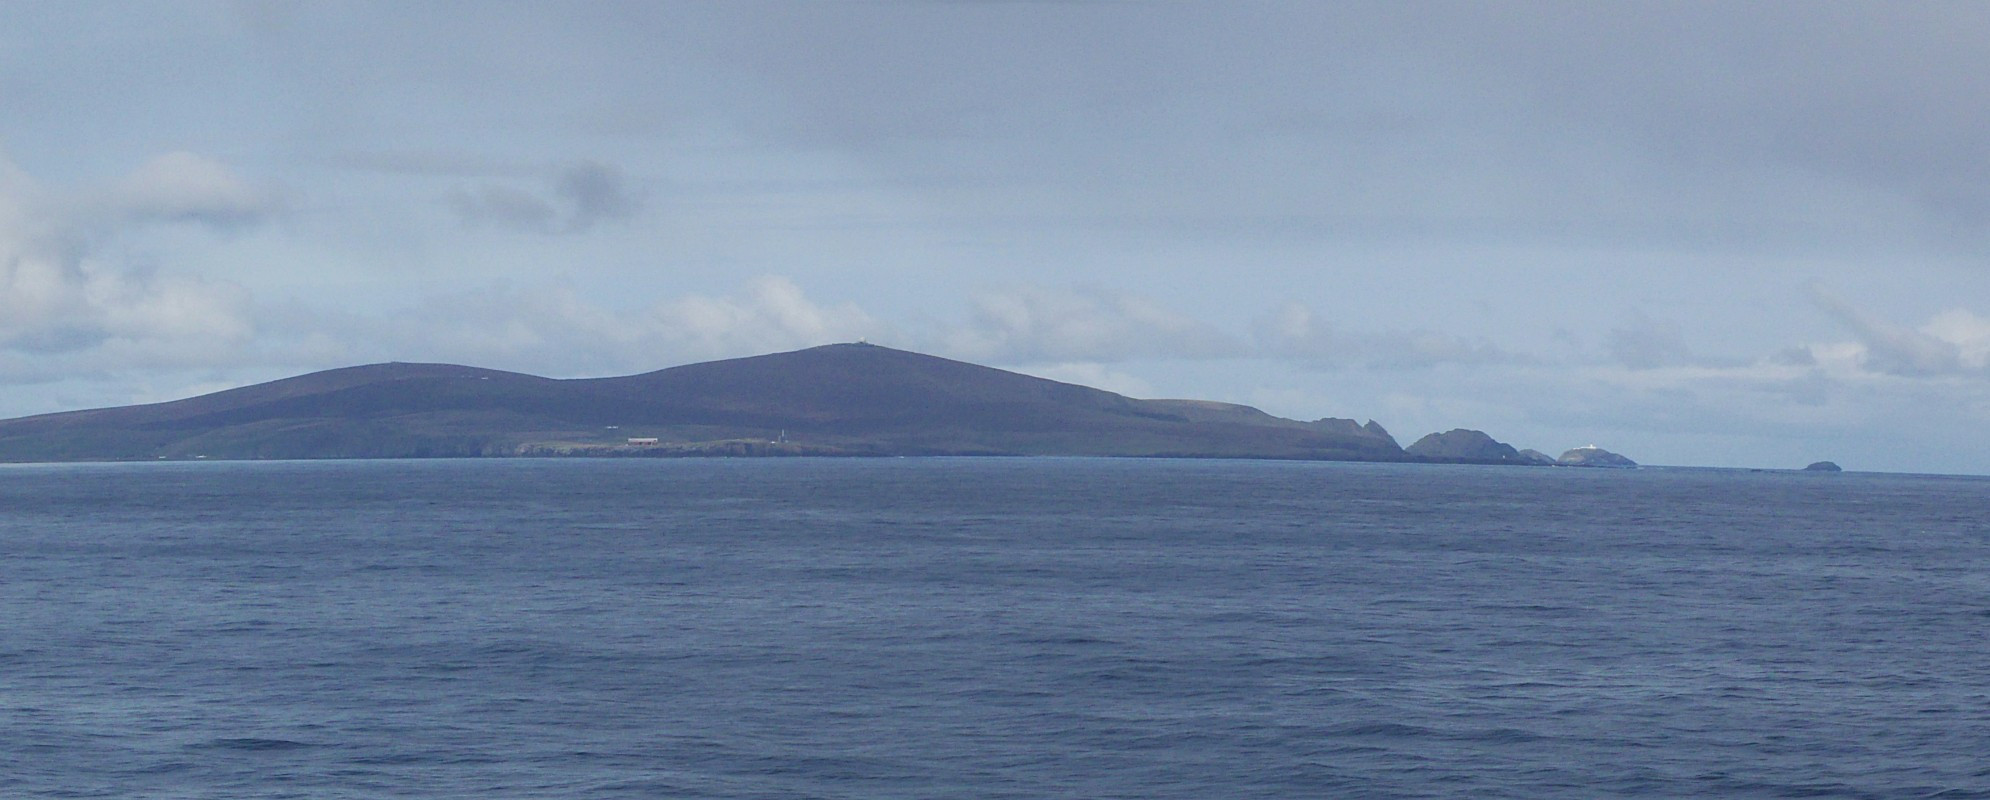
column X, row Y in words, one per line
column 836, row 399
column 1347, row 427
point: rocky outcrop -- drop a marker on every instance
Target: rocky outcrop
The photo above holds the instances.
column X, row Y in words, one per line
column 1593, row 456
column 1375, row 429
column 1824, row 466
column 1536, row 458
column 1347, row 427
column 1465, row 445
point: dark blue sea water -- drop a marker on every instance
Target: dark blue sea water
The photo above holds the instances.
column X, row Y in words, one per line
column 1029, row 628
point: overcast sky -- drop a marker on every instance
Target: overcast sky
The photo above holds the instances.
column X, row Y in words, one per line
column 1731, row 234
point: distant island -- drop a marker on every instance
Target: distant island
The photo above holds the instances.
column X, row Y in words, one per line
column 834, row 400
column 1593, row 456
column 1823, row 466
column 1462, row 444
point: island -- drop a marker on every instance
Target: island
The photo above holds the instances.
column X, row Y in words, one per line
column 853, row 399
column 1823, row 466
column 1463, row 444
column 1593, row 456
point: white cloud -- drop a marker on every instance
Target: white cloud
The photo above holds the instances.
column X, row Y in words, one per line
column 1954, row 342
column 1036, row 324
column 63, row 308
column 772, row 314
column 1967, row 332
column 1891, row 348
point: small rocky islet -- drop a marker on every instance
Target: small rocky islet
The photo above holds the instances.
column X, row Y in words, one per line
column 1593, row 456
column 1466, row 445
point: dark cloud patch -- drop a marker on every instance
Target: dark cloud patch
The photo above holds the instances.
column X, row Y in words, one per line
column 595, row 193
column 573, row 200
column 505, row 207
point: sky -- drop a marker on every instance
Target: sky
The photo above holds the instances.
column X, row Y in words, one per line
column 1720, row 234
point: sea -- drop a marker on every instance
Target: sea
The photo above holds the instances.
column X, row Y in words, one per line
column 988, row 628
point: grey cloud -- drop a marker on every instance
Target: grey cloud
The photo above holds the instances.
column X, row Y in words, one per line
column 1642, row 342
column 1296, row 332
column 1037, row 324
column 1647, row 345
column 51, row 339
column 185, row 187
column 430, row 163
column 264, row 17
column 1891, row 348
column 1765, row 123
column 1794, row 357
column 596, row 193
column 574, row 199
column 504, row 207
